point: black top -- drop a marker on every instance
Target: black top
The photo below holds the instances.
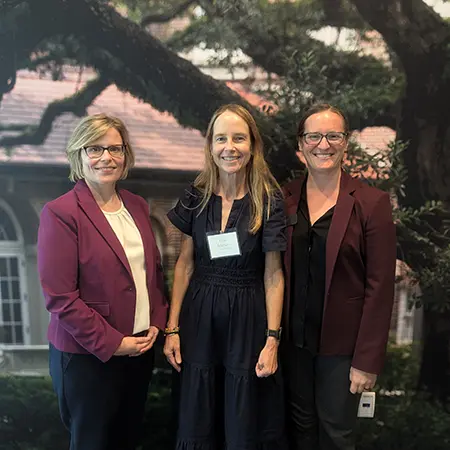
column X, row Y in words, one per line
column 308, row 280
column 186, row 216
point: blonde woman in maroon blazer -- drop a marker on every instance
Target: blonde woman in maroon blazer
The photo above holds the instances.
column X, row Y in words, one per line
column 340, row 270
column 101, row 275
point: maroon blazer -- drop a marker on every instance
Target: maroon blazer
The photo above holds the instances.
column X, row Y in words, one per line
column 85, row 275
column 360, row 272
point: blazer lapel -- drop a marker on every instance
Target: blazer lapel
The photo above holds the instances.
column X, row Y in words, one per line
column 292, row 197
column 98, row 219
column 338, row 227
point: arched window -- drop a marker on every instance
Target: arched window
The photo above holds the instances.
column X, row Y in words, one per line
column 14, row 320
column 7, row 228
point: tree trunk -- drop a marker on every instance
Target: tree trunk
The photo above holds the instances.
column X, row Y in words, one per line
column 421, row 40
column 425, row 124
column 435, row 368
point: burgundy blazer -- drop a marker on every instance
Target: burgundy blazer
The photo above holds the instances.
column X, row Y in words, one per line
column 360, row 272
column 85, row 275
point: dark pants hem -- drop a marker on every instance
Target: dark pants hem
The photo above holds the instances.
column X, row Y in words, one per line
column 321, row 410
column 101, row 404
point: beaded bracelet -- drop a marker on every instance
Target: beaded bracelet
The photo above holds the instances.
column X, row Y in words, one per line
column 170, row 331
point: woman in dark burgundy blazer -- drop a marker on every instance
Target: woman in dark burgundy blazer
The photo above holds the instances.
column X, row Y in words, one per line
column 340, row 270
column 101, row 275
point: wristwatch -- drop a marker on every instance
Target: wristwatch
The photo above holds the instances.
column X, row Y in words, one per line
column 274, row 333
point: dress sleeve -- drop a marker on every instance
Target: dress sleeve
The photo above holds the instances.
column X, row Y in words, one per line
column 183, row 213
column 274, row 227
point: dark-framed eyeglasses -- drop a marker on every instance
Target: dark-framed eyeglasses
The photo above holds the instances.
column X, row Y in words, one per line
column 96, row 151
column 333, row 137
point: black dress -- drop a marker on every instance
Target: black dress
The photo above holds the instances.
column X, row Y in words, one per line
column 223, row 404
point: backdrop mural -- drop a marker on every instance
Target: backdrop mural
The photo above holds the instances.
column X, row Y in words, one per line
column 163, row 67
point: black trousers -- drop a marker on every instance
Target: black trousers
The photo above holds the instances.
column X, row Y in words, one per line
column 321, row 410
column 101, row 404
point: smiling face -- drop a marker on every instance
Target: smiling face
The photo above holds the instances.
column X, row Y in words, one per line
column 323, row 156
column 231, row 143
column 105, row 169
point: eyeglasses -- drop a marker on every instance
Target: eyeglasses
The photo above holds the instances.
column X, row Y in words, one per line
column 333, row 137
column 96, row 151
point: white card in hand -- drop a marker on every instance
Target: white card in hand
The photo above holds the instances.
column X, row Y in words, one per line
column 367, row 405
column 222, row 245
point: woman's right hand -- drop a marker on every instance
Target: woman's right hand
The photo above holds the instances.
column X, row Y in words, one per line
column 172, row 351
column 132, row 345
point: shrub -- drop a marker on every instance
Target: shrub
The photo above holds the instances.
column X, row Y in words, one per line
column 29, row 417
column 404, row 419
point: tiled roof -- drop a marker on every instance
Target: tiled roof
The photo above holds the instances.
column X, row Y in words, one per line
column 374, row 138
column 159, row 141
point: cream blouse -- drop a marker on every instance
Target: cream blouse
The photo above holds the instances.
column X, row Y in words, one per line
column 129, row 236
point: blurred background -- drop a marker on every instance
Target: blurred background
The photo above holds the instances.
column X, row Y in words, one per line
column 163, row 67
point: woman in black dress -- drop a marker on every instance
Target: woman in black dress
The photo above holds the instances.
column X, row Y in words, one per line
column 224, row 324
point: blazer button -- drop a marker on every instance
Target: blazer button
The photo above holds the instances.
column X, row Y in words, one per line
column 130, row 288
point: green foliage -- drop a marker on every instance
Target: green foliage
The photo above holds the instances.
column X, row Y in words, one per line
column 435, row 283
column 383, row 169
column 137, row 10
column 29, row 416
column 423, row 234
column 401, row 370
column 311, row 77
column 410, row 422
column 403, row 421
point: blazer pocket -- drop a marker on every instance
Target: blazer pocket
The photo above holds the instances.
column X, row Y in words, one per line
column 101, row 307
column 360, row 298
column 66, row 358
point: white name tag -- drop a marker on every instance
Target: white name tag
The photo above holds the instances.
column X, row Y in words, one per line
column 367, row 405
column 223, row 245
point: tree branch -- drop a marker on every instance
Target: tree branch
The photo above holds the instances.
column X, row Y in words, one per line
column 76, row 104
column 337, row 13
column 167, row 16
column 139, row 64
column 14, row 127
column 257, row 33
column 259, row 36
column 410, row 27
column 421, row 39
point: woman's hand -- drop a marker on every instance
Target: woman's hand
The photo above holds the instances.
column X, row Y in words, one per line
column 131, row 345
column 361, row 381
column 172, row 351
column 268, row 359
column 135, row 346
column 152, row 333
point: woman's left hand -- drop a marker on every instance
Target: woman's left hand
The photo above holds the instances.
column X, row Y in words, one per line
column 268, row 359
column 152, row 334
column 361, row 381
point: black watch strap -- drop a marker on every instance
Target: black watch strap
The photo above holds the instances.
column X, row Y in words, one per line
column 274, row 333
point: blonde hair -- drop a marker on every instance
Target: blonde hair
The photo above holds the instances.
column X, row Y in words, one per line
column 261, row 183
column 88, row 130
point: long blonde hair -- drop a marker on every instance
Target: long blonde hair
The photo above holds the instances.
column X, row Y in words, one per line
column 261, row 184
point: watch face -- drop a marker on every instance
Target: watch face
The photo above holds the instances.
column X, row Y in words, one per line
column 274, row 333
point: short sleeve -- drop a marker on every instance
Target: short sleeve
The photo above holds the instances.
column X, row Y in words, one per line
column 274, row 227
column 182, row 214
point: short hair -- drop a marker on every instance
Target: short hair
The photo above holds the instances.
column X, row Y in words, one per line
column 318, row 108
column 88, row 130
